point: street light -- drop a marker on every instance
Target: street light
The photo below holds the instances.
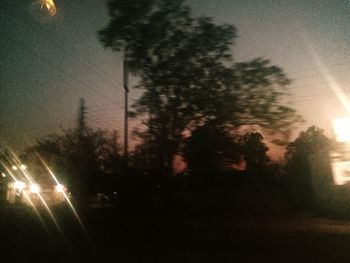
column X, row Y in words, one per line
column 19, row 185
column 50, row 6
column 59, row 188
column 44, row 10
column 34, row 188
column 22, row 167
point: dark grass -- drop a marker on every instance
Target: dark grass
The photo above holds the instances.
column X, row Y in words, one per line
column 114, row 236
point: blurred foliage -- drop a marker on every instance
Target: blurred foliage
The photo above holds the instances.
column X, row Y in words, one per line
column 210, row 150
column 254, row 151
column 303, row 155
column 188, row 75
column 85, row 161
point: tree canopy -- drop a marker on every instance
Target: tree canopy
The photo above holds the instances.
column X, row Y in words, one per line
column 306, row 153
column 254, row 150
column 188, row 75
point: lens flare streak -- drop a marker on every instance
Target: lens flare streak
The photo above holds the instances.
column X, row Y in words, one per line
column 63, row 192
column 26, row 174
column 332, row 83
column 27, row 197
column 28, row 177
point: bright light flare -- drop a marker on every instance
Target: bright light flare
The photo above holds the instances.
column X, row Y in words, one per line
column 44, row 10
column 28, row 177
column 34, row 188
column 60, row 188
column 3, row 175
column 23, row 167
column 14, row 167
column 341, row 172
column 19, row 185
column 27, row 197
column 49, row 6
column 341, row 128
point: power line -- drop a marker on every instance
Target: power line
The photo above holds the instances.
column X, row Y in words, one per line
column 104, row 109
column 317, row 69
column 312, row 96
column 312, row 99
column 98, row 72
column 346, row 70
column 99, row 106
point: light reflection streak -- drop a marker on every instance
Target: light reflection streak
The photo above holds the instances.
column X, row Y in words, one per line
column 30, row 180
column 27, row 197
column 16, row 161
column 63, row 192
column 332, row 83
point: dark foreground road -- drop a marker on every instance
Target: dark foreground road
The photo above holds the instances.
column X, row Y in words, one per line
column 113, row 237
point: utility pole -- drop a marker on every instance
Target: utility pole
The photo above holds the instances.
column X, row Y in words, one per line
column 126, row 91
column 81, row 117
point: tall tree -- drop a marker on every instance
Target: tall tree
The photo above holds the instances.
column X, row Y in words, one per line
column 188, row 75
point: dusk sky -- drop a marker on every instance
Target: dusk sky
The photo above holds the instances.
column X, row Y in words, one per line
column 46, row 66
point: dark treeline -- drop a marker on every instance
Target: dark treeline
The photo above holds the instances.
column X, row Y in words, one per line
column 224, row 173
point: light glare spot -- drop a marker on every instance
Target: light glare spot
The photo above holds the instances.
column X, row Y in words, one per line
column 44, row 10
column 60, row 188
column 19, row 185
column 34, row 188
column 50, row 6
column 341, row 127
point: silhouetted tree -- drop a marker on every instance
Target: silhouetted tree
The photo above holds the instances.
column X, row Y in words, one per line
column 254, row 151
column 209, row 150
column 311, row 147
column 188, row 75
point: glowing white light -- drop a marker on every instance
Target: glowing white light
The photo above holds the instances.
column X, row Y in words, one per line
column 341, row 127
column 3, row 175
column 341, row 172
column 23, row 167
column 63, row 193
column 60, row 188
column 19, row 185
column 14, row 167
column 34, row 188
